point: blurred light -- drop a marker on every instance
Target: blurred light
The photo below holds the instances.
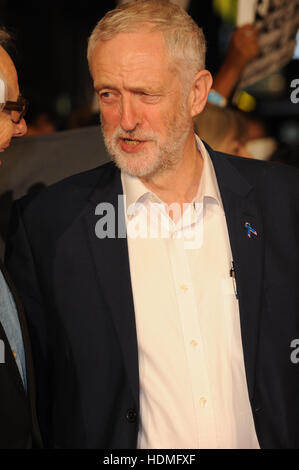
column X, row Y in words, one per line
column 246, row 13
column 95, row 104
column 246, row 102
column 289, row 132
column 276, row 83
column 262, row 148
column 226, row 9
column 63, row 105
column 296, row 50
column 273, row 84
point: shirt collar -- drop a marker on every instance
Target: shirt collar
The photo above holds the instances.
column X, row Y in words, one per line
column 136, row 192
column 208, row 186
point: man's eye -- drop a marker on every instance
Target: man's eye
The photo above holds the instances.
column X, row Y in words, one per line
column 150, row 98
column 107, row 96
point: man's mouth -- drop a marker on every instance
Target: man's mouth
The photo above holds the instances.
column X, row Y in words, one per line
column 132, row 141
column 129, row 145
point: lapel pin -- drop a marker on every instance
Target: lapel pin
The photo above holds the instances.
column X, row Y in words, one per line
column 250, row 229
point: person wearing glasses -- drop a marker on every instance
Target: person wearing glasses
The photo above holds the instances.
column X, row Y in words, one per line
column 15, row 110
column 12, row 105
column 18, row 423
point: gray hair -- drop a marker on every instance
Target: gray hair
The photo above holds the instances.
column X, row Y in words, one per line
column 184, row 39
column 5, row 36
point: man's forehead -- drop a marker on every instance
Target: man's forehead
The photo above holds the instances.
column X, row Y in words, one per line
column 131, row 57
column 137, row 79
column 133, row 47
column 136, row 85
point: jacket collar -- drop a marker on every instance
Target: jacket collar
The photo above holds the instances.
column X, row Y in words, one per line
column 112, row 265
column 240, row 201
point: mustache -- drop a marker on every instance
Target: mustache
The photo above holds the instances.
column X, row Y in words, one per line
column 134, row 135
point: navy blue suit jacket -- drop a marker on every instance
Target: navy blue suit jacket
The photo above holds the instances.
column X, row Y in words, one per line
column 77, row 293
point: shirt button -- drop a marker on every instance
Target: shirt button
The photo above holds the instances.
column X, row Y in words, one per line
column 202, row 401
column 131, row 415
column 194, row 343
column 184, row 287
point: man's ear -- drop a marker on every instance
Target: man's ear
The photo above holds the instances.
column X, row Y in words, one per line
column 200, row 91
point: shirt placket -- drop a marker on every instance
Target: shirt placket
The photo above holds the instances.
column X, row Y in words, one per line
column 194, row 346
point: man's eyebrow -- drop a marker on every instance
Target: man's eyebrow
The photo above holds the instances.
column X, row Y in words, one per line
column 101, row 86
column 147, row 89
column 135, row 89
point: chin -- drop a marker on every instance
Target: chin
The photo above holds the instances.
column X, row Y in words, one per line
column 137, row 165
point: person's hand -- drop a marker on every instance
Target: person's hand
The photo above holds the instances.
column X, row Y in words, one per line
column 243, row 46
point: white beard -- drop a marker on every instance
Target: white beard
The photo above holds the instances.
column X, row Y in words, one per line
column 164, row 155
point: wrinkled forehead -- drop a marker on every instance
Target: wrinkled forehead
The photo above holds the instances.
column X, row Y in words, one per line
column 131, row 54
column 9, row 74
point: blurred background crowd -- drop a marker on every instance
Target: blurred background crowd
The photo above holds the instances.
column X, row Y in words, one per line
column 50, row 55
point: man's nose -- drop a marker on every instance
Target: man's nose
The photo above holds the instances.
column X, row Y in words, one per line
column 129, row 114
column 20, row 129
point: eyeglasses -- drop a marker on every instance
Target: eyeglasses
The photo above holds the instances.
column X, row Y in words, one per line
column 17, row 108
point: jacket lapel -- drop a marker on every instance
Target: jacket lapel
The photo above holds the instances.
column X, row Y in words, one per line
column 112, row 264
column 239, row 201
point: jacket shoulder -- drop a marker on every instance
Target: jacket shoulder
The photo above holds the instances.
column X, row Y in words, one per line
column 256, row 169
column 69, row 191
column 56, row 207
column 266, row 175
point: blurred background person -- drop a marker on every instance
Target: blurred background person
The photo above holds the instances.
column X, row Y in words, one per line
column 40, row 121
column 230, row 130
column 12, row 123
column 224, row 129
column 18, row 422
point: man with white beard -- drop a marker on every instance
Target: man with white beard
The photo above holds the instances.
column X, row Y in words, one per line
column 153, row 341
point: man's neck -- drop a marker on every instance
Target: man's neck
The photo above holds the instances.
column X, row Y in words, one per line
column 180, row 183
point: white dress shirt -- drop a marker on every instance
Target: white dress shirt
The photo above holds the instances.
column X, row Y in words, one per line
column 193, row 391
